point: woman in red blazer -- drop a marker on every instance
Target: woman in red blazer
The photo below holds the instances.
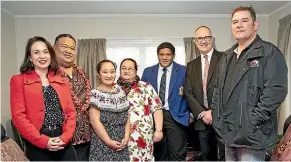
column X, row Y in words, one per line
column 41, row 105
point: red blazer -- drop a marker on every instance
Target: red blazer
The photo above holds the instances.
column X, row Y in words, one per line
column 27, row 106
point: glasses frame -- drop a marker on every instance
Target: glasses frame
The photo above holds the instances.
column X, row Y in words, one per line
column 206, row 39
column 127, row 69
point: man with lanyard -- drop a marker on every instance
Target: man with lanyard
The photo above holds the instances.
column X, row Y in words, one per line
column 65, row 48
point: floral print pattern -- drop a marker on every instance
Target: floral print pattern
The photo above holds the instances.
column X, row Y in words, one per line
column 144, row 101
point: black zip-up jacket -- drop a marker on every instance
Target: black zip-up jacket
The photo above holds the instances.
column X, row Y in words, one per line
column 248, row 118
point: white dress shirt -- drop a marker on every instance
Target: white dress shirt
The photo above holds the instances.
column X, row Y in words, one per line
column 160, row 73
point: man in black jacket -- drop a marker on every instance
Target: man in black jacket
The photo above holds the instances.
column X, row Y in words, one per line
column 251, row 85
column 199, row 84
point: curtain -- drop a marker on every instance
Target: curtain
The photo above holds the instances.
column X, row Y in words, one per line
column 90, row 53
column 191, row 49
column 284, row 44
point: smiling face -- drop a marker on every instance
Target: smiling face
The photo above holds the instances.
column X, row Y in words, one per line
column 243, row 26
column 65, row 49
column 204, row 40
column 107, row 73
column 127, row 70
column 165, row 57
column 40, row 56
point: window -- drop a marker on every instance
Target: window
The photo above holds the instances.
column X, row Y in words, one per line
column 143, row 51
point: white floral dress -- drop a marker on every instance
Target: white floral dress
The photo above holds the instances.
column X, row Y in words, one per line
column 144, row 101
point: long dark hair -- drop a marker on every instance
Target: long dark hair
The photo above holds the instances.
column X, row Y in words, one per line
column 27, row 66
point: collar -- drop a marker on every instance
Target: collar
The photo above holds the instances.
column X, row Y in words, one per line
column 257, row 42
column 209, row 54
column 32, row 77
column 169, row 68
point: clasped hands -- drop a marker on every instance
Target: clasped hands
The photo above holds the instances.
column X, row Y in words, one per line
column 55, row 144
column 206, row 117
column 117, row 146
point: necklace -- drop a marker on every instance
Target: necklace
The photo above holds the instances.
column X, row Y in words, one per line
column 75, row 99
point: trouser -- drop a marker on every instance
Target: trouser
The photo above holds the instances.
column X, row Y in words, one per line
column 208, row 144
column 173, row 147
column 82, row 151
column 35, row 153
column 243, row 154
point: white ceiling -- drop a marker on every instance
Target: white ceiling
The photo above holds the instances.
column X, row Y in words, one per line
column 135, row 7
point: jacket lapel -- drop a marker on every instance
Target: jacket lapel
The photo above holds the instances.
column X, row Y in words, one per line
column 223, row 65
column 199, row 70
column 56, row 78
column 174, row 76
column 154, row 77
column 213, row 62
column 31, row 77
column 244, row 67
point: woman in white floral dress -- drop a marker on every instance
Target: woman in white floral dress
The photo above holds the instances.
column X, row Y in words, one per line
column 146, row 116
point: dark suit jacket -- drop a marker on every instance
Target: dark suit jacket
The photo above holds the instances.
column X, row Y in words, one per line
column 193, row 89
column 177, row 103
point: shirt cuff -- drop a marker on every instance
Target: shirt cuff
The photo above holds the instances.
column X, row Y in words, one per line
column 191, row 115
column 199, row 116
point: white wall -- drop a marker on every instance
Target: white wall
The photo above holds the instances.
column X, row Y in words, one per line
column 124, row 27
column 8, row 66
column 16, row 35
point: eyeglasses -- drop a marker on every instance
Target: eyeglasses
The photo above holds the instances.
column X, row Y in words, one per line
column 128, row 69
column 206, row 39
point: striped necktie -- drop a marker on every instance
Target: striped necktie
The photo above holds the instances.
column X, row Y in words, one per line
column 162, row 92
column 206, row 68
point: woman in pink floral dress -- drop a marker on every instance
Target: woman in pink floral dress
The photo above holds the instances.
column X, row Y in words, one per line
column 146, row 117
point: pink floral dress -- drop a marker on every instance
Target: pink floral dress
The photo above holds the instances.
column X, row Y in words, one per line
column 144, row 101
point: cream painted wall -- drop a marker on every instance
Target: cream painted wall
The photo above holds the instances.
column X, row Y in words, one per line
column 8, row 66
column 17, row 34
column 126, row 27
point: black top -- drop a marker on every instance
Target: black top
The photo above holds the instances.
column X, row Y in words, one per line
column 233, row 65
column 54, row 115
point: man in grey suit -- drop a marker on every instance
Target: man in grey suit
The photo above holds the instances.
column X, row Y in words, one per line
column 198, row 90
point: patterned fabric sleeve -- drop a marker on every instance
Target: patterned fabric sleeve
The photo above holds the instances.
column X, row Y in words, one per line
column 154, row 100
column 109, row 101
column 93, row 98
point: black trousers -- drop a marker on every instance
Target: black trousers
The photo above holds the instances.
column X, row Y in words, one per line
column 82, row 151
column 173, row 147
column 35, row 153
column 208, row 144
